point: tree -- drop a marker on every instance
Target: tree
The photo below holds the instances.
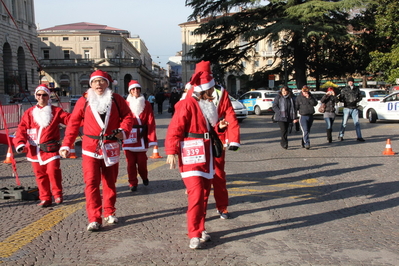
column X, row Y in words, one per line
column 385, row 55
column 304, row 22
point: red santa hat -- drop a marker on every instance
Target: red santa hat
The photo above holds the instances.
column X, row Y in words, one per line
column 102, row 74
column 202, row 79
column 43, row 87
column 133, row 84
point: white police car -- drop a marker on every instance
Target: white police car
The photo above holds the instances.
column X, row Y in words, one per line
column 385, row 109
column 258, row 101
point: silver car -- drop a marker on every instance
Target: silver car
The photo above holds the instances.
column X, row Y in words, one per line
column 239, row 109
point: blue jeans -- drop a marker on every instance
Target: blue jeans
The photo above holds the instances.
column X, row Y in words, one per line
column 354, row 113
column 306, row 122
column 329, row 122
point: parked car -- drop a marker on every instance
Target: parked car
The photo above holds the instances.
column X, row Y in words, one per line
column 370, row 95
column 239, row 109
column 386, row 108
column 318, row 95
column 258, row 101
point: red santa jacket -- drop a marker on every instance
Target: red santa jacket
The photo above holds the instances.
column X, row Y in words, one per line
column 117, row 116
column 29, row 133
column 188, row 118
column 225, row 109
column 143, row 133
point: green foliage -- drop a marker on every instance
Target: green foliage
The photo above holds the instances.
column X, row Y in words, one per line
column 316, row 30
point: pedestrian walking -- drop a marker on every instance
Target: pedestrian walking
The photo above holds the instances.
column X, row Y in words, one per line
column 284, row 113
column 329, row 101
column 188, row 138
column 304, row 104
column 350, row 96
column 106, row 120
column 159, row 99
column 173, row 99
column 142, row 136
column 151, row 100
column 39, row 133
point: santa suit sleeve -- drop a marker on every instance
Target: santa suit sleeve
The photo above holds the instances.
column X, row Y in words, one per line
column 226, row 110
column 152, row 135
column 74, row 123
column 176, row 129
column 21, row 136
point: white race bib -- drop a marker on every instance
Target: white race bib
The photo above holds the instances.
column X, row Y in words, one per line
column 193, row 151
column 111, row 153
column 132, row 137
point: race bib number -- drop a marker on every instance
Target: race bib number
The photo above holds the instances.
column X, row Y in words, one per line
column 193, row 151
column 111, row 153
column 32, row 135
column 132, row 137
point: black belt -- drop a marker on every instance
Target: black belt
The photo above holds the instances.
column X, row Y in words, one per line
column 197, row 136
column 140, row 126
column 109, row 137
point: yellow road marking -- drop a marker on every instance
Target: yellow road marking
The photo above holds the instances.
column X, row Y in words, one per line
column 13, row 243
column 26, row 235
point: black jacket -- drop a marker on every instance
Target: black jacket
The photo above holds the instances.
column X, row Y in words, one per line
column 305, row 106
column 350, row 97
column 290, row 111
column 329, row 100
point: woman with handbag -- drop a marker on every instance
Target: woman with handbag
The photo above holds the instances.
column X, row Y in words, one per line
column 329, row 101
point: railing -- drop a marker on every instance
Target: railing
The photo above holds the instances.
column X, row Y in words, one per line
column 89, row 62
column 14, row 112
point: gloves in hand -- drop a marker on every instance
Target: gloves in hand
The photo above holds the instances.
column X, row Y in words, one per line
column 20, row 149
column 233, row 148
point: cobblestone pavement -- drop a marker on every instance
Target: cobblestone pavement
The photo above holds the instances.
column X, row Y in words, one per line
column 335, row 204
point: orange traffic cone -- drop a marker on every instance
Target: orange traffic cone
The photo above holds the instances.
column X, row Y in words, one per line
column 388, row 148
column 8, row 158
column 72, row 153
column 155, row 154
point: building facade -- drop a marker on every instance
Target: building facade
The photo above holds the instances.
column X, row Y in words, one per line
column 264, row 57
column 19, row 48
column 70, row 53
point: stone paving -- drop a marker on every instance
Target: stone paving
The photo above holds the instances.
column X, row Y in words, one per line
column 335, row 204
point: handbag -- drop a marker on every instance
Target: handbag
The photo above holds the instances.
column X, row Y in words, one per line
column 217, row 145
column 322, row 108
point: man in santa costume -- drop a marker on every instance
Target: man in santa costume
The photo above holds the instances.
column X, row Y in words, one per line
column 39, row 135
column 230, row 139
column 106, row 120
column 142, row 136
column 188, row 138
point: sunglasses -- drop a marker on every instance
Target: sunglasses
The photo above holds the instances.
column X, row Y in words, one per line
column 43, row 95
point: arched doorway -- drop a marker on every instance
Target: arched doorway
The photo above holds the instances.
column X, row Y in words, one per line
column 64, row 83
column 9, row 80
column 126, row 79
column 84, row 84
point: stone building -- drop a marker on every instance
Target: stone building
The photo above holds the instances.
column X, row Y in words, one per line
column 18, row 48
column 70, row 53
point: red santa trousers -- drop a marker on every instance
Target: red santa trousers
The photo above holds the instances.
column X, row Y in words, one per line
column 219, row 184
column 136, row 161
column 95, row 172
column 198, row 189
column 48, row 179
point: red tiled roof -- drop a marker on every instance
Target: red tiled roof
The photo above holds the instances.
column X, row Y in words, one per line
column 84, row 26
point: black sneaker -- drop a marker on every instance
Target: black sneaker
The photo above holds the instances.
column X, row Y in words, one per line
column 360, row 139
column 146, row 182
column 341, row 138
column 133, row 188
column 224, row 214
column 307, row 147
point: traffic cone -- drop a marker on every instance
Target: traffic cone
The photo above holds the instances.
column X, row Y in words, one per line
column 8, row 158
column 155, row 154
column 72, row 153
column 388, row 148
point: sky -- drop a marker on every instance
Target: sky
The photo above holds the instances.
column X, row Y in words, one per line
column 155, row 21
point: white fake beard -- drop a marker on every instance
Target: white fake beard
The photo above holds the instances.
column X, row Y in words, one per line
column 42, row 116
column 99, row 103
column 209, row 111
column 136, row 104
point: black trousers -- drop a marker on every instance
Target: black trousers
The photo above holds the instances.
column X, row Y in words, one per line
column 160, row 108
column 284, row 126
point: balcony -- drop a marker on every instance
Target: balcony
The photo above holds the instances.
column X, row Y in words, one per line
column 121, row 62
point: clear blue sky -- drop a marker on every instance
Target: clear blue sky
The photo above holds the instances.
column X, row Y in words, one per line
column 155, row 21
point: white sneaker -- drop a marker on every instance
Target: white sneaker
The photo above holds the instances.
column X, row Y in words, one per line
column 94, row 226
column 195, row 243
column 111, row 219
column 205, row 237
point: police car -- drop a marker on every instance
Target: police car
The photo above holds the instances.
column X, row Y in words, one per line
column 387, row 108
column 258, row 101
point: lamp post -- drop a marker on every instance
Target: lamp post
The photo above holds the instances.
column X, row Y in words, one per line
column 284, row 55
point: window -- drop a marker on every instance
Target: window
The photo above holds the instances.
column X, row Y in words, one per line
column 32, row 73
column 256, row 63
column 66, row 54
column 46, row 54
column 244, row 64
column 65, row 38
column 45, row 39
column 86, row 54
column 86, row 38
column 269, row 62
column 192, row 66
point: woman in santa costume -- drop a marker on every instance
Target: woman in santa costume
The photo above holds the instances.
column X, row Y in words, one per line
column 142, row 136
column 188, row 138
column 39, row 131
column 106, row 120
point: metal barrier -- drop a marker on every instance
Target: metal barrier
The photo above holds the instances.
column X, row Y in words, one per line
column 14, row 112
